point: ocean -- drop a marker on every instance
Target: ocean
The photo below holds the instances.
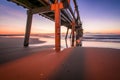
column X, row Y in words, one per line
column 102, row 38
column 89, row 40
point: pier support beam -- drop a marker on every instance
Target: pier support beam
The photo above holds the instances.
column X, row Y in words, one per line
column 79, row 35
column 57, row 28
column 67, row 33
column 28, row 28
column 70, row 34
column 56, row 7
column 73, row 33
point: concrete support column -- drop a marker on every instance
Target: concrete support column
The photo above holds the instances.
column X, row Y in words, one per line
column 28, row 28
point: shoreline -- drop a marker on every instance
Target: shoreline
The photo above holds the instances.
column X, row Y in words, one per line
column 11, row 48
column 111, row 45
column 36, row 41
column 17, row 41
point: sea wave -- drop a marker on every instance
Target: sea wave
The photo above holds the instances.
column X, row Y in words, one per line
column 102, row 38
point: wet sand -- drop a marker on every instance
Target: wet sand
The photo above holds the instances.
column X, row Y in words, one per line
column 13, row 42
column 11, row 48
column 81, row 63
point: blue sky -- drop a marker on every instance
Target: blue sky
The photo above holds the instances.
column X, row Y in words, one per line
column 98, row 16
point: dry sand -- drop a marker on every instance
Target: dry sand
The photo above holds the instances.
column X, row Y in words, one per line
column 70, row 64
column 43, row 63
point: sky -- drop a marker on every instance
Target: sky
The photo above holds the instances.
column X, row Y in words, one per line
column 97, row 16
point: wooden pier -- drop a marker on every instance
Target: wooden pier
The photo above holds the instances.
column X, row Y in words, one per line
column 59, row 11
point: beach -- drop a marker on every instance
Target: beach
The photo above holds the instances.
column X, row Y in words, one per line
column 60, row 40
column 11, row 48
column 43, row 63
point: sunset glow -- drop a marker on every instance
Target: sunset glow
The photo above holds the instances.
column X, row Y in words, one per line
column 97, row 16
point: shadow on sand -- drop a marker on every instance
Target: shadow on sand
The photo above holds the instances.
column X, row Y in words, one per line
column 72, row 68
